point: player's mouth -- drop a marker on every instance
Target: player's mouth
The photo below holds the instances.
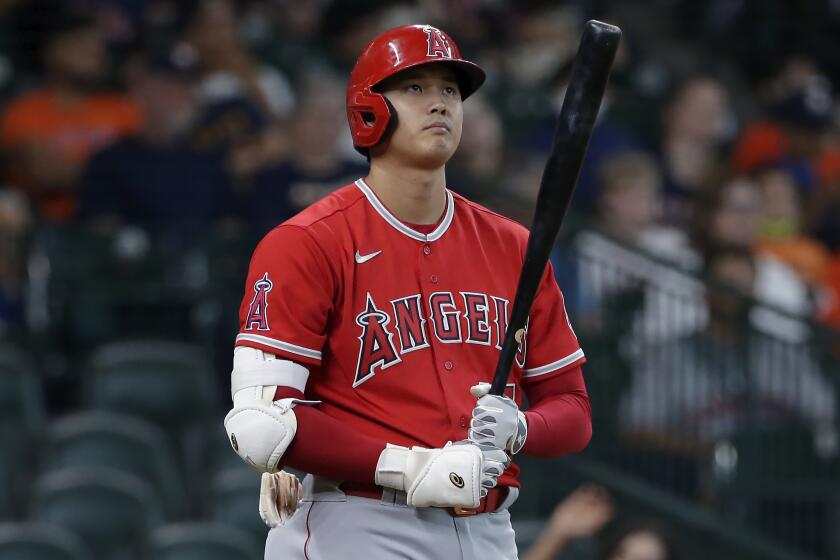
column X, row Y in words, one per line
column 437, row 126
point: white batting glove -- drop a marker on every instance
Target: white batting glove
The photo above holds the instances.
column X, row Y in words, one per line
column 497, row 421
column 280, row 494
column 455, row 475
column 495, row 463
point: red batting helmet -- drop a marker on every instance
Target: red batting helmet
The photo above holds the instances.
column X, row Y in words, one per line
column 399, row 49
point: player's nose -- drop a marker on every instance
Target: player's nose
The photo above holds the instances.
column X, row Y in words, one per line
column 437, row 105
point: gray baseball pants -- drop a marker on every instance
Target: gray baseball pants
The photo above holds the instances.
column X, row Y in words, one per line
column 330, row 525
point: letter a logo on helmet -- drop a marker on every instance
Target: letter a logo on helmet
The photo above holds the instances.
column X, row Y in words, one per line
column 398, row 49
column 438, row 46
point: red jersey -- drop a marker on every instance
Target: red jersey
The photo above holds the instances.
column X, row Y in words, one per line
column 395, row 325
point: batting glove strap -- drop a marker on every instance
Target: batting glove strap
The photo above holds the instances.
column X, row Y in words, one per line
column 446, row 477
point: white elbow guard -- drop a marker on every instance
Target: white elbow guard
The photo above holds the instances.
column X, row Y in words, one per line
column 259, row 429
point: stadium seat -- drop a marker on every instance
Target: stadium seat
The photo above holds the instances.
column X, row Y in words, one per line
column 22, row 418
column 169, row 383
column 222, row 455
column 235, row 498
column 781, row 456
column 779, row 486
column 30, row 541
column 6, row 485
column 203, row 541
column 21, row 396
column 123, row 442
column 111, row 510
column 102, row 285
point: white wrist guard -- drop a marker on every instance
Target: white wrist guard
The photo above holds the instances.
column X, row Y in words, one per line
column 445, row 477
column 260, row 430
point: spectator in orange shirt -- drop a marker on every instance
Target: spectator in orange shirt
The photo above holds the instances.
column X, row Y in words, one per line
column 48, row 134
column 780, row 228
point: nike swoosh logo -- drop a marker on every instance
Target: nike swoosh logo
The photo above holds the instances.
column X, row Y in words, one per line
column 360, row 258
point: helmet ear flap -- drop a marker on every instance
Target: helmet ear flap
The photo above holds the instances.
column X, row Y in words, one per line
column 370, row 116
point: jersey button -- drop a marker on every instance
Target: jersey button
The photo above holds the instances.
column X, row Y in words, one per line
column 463, row 421
column 448, row 365
column 433, row 279
column 427, row 250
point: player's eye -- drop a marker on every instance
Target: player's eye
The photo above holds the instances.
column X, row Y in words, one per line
column 449, row 90
column 415, row 88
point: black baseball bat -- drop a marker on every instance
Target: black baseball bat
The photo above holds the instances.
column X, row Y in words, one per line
column 588, row 80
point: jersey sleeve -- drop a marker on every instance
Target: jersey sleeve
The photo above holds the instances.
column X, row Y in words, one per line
column 551, row 346
column 289, row 295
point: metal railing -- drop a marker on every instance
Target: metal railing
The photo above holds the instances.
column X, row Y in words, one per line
column 709, row 395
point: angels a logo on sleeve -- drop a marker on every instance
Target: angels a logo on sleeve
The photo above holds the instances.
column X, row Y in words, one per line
column 438, row 45
column 258, row 310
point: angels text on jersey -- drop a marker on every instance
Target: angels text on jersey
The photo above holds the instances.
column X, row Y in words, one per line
column 390, row 329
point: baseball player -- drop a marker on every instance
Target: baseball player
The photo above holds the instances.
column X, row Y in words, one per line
column 371, row 324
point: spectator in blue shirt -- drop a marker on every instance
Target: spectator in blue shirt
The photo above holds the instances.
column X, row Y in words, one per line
column 317, row 163
column 155, row 180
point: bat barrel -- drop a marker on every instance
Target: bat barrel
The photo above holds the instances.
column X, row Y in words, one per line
column 585, row 90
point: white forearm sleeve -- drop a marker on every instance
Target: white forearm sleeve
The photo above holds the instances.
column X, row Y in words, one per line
column 259, row 429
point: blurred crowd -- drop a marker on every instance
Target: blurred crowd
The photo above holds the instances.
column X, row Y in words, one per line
column 708, row 204
column 716, row 155
column 588, row 512
column 183, row 117
column 165, row 122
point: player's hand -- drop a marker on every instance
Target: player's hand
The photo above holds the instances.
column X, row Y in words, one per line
column 495, row 462
column 497, row 421
column 455, row 475
column 582, row 513
column 280, row 494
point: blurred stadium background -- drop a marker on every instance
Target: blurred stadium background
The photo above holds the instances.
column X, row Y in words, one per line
column 148, row 144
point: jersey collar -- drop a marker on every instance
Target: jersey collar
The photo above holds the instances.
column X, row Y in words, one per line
column 401, row 227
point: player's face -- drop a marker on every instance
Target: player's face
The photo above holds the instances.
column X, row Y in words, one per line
column 427, row 101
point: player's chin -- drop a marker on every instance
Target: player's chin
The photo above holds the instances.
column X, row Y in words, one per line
column 443, row 145
column 435, row 155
